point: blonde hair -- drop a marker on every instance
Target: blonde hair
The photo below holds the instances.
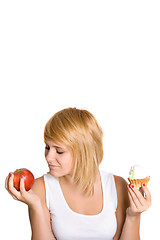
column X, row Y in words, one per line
column 80, row 132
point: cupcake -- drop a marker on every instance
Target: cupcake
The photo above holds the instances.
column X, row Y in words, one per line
column 138, row 176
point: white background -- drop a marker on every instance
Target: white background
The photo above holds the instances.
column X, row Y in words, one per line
column 103, row 56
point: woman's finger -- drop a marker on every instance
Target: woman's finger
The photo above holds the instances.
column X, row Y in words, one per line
column 10, row 181
column 144, row 196
column 6, row 182
column 139, row 196
column 12, row 189
column 13, row 196
column 134, row 199
column 132, row 203
column 139, row 200
column 7, row 185
column 22, row 187
column 147, row 193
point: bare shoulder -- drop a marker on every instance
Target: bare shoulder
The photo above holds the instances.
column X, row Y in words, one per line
column 120, row 180
column 39, row 188
column 122, row 191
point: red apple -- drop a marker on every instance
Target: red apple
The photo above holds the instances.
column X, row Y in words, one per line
column 28, row 178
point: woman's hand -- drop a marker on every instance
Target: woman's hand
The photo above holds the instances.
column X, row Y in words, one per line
column 28, row 197
column 140, row 200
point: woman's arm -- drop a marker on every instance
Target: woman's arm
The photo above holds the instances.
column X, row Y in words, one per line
column 138, row 204
column 131, row 203
column 131, row 229
column 40, row 225
column 38, row 212
column 39, row 216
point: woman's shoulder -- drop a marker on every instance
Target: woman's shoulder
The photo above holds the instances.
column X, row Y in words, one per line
column 39, row 188
column 122, row 189
column 38, row 183
column 120, row 180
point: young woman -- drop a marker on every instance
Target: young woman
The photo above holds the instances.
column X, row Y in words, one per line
column 75, row 200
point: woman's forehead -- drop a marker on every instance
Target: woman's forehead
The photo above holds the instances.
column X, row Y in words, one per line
column 52, row 144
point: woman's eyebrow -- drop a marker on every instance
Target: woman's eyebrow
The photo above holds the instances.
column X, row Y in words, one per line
column 56, row 146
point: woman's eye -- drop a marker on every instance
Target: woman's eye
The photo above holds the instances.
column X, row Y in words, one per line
column 47, row 147
column 59, row 152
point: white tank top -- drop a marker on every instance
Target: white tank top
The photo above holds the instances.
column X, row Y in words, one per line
column 69, row 225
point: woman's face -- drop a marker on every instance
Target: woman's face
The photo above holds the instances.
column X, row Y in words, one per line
column 59, row 159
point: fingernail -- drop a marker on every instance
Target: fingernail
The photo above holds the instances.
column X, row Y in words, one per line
column 132, row 186
column 129, row 185
column 143, row 184
column 10, row 174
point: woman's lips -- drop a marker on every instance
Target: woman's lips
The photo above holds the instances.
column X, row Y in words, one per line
column 52, row 166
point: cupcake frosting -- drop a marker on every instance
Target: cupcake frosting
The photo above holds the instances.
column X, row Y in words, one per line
column 137, row 172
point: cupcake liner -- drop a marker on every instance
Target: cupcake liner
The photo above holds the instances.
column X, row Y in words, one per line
column 139, row 182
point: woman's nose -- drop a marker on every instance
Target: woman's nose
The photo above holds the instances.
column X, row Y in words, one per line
column 50, row 156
